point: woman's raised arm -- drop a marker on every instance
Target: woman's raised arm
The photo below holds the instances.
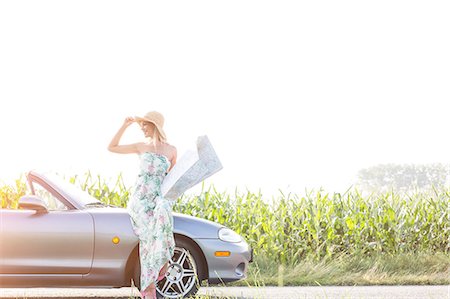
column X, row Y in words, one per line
column 125, row 148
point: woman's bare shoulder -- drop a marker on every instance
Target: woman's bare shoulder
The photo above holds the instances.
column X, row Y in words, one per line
column 172, row 147
column 171, row 151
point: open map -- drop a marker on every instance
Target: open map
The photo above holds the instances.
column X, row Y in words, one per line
column 192, row 168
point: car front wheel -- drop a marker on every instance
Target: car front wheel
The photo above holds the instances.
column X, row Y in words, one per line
column 181, row 279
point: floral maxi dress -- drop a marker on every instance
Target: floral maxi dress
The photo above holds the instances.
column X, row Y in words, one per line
column 151, row 217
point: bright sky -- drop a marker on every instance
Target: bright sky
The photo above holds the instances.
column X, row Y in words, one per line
column 292, row 94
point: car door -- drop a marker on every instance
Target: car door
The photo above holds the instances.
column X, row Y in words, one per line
column 59, row 241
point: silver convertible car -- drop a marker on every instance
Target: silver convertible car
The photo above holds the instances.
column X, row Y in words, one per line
column 61, row 236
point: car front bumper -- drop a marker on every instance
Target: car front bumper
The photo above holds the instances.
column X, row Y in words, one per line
column 226, row 268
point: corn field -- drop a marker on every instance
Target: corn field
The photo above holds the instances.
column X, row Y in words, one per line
column 317, row 225
column 320, row 225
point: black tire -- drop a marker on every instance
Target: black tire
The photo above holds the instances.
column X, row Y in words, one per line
column 137, row 273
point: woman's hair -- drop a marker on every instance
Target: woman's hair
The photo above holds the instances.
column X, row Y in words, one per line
column 156, row 135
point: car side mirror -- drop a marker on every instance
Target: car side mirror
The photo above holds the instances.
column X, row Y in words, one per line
column 33, row 202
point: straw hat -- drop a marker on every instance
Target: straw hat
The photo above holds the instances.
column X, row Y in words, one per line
column 155, row 118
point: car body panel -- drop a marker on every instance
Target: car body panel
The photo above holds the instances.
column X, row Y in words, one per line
column 195, row 228
column 32, row 238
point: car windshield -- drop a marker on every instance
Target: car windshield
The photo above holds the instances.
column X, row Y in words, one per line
column 82, row 197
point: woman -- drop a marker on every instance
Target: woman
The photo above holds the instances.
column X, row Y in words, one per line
column 150, row 213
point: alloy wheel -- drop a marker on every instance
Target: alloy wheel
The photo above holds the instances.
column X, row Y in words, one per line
column 181, row 275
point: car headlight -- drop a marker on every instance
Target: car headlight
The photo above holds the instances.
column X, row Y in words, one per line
column 227, row 235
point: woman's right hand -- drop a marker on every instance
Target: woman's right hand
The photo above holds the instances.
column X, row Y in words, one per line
column 128, row 121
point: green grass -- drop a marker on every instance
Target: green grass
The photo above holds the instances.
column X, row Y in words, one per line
column 402, row 269
column 318, row 237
